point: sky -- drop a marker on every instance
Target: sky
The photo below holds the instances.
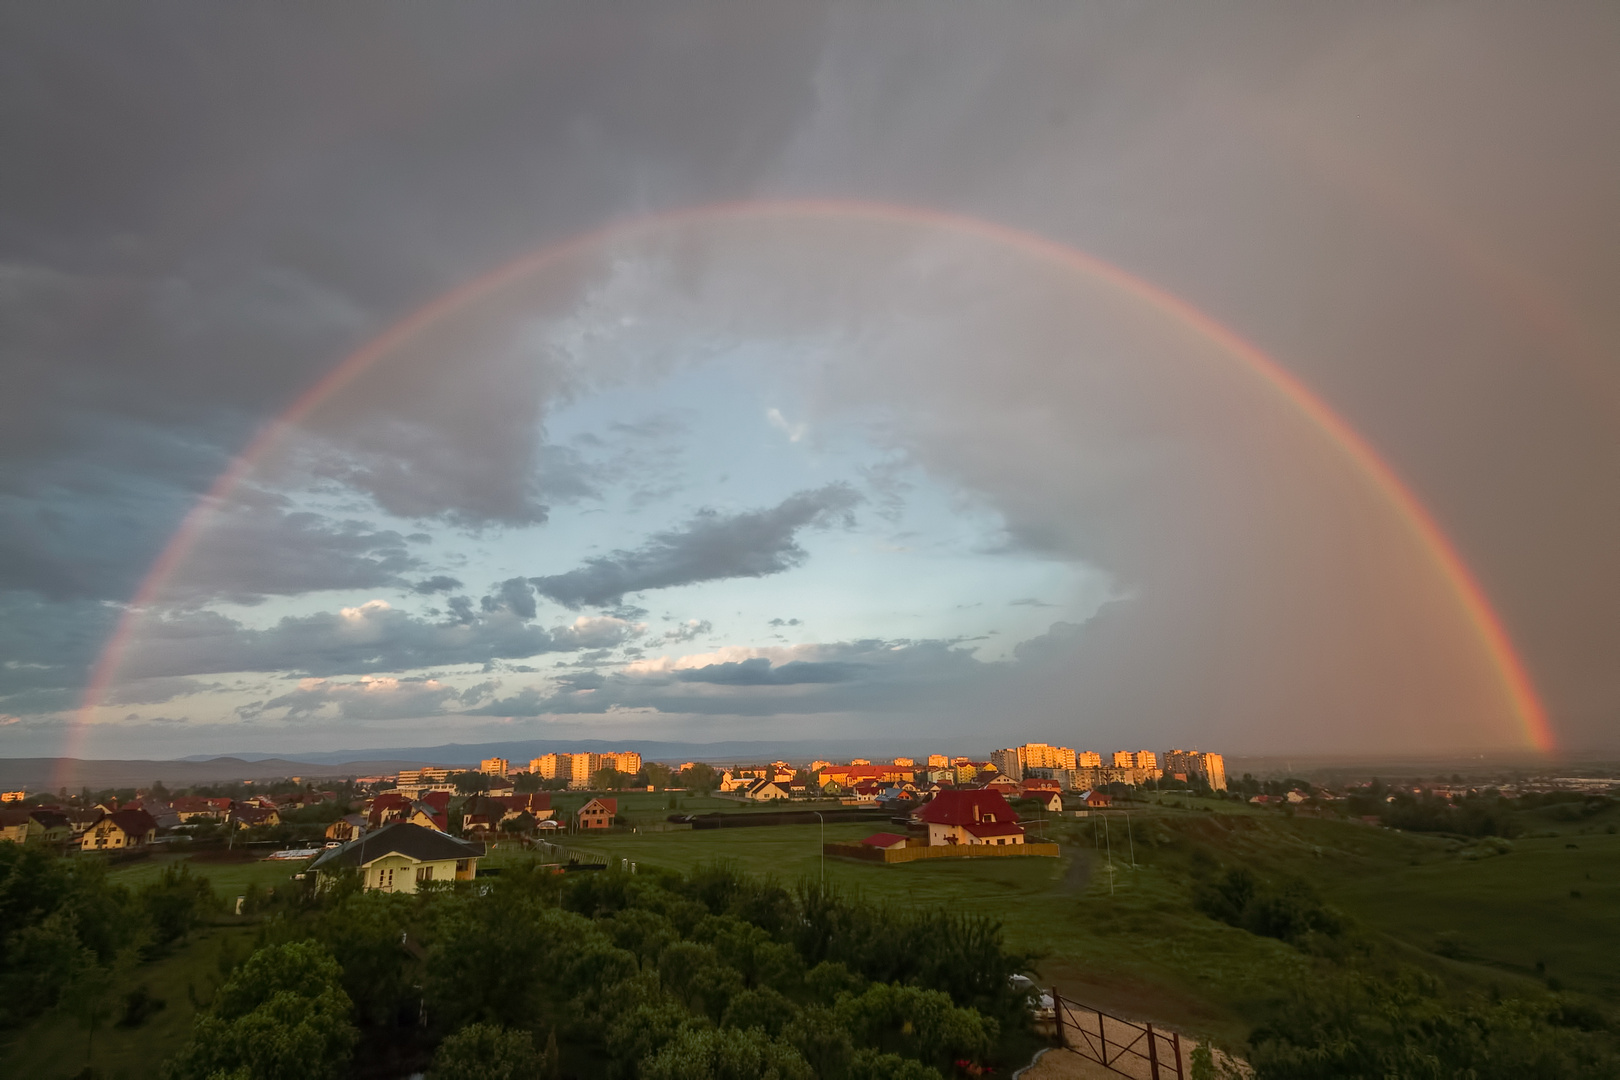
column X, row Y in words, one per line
column 1113, row 375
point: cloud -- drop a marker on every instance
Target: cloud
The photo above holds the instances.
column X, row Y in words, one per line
column 260, row 544
column 794, row 432
column 379, row 698
column 437, row 583
column 759, row 671
column 688, row 630
column 783, row 622
column 368, row 638
column 711, row 547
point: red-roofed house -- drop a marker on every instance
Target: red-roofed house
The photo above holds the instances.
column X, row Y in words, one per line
column 1095, row 799
column 596, row 814
column 191, row 807
column 974, row 816
column 250, row 816
column 431, row 811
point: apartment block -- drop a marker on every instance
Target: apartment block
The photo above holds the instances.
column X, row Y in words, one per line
column 495, row 766
column 1193, row 763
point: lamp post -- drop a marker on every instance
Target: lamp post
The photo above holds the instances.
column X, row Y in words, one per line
column 823, row 845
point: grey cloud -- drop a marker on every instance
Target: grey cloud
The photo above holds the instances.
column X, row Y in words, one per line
column 711, row 547
column 759, row 671
column 515, row 595
column 436, row 584
column 393, row 699
column 260, row 544
column 371, row 638
column 783, row 622
column 689, row 630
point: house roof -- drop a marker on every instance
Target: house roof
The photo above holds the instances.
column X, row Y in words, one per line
column 133, row 822
column 401, row 838
column 884, row 840
column 12, row 816
column 255, row 814
column 985, row 829
column 610, row 805
column 50, row 819
column 967, row 807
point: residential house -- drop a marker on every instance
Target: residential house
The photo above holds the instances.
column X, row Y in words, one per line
column 253, row 816
column 195, row 808
column 346, row 828
column 974, row 816
column 762, row 790
column 118, row 830
column 431, row 811
column 161, row 812
column 56, row 829
column 1051, row 801
column 17, row 825
column 596, row 814
column 1096, row 800
column 401, row 857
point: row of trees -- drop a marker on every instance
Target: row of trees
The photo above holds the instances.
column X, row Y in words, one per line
column 708, row 975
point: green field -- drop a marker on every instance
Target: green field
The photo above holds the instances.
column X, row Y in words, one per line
column 1475, row 913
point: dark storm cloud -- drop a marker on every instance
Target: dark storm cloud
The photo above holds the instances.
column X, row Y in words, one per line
column 711, row 547
column 515, row 595
column 204, row 213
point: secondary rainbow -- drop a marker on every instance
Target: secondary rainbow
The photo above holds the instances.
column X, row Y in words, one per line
column 1470, row 596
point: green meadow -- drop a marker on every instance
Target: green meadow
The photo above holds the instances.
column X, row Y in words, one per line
column 1111, row 922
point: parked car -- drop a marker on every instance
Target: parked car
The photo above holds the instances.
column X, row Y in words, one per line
column 1041, row 1003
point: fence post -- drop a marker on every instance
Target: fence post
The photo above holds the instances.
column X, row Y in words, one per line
column 1153, row 1053
column 1175, row 1044
column 1057, row 1014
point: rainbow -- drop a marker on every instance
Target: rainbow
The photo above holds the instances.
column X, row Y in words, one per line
column 1464, row 587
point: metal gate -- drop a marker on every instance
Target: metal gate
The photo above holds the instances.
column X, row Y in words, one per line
column 1121, row 1046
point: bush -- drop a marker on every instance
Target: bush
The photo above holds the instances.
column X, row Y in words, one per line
column 488, row 1052
column 282, row 1016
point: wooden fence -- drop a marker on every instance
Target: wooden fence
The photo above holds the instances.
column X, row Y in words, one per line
column 943, row 851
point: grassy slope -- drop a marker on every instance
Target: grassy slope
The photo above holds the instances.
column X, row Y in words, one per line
column 54, row 1046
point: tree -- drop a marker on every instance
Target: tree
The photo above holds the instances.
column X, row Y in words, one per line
column 699, row 777
column 726, row 1054
column 657, row 775
column 470, row 783
column 174, row 903
column 526, row 782
column 609, row 779
column 281, row 1016
column 487, row 1052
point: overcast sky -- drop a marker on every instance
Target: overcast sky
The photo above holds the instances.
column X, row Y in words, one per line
column 787, row 473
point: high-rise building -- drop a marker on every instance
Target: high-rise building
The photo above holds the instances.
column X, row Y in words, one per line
column 1088, row 759
column 938, row 761
column 1122, row 759
column 495, row 766
column 1211, row 768
column 1009, row 762
column 544, row 766
column 905, row 761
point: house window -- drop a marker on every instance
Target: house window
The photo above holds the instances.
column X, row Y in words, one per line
column 424, row 873
column 385, row 880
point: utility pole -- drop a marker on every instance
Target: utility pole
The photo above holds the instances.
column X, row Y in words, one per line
column 1110, row 849
column 823, row 845
column 1131, row 838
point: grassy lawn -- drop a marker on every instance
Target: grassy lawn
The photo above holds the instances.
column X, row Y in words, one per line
column 230, row 879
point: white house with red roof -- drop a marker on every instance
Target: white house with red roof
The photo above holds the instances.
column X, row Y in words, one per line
column 971, row 817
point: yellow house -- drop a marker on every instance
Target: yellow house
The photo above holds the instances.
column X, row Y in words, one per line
column 119, row 829
column 400, row 857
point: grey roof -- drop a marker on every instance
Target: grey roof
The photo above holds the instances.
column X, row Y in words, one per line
column 401, row 838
